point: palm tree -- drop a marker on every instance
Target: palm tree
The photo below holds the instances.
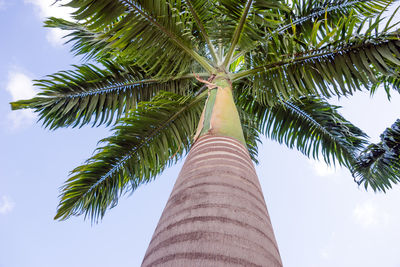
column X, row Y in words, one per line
column 207, row 78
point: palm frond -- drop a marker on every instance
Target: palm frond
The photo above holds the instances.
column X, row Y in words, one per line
column 85, row 42
column 251, row 133
column 240, row 25
column 152, row 137
column 130, row 26
column 301, row 16
column 89, row 94
column 310, row 125
column 201, row 12
column 389, row 83
column 339, row 64
column 378, row 165
column 245, row 23
column 304, row 13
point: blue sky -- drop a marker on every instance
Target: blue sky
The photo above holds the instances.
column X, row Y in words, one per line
column 320, row 216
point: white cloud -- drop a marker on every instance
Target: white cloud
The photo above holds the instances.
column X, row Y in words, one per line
column 327, row 252
column 324, row 253
column 369, row 215
column 55, row 37
column 21, row 118
column 20, row 86
column 48, row 8
column 321, row 169
column 2, row 4
column 6, row 205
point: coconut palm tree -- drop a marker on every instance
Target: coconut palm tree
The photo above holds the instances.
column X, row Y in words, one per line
column 207, row 78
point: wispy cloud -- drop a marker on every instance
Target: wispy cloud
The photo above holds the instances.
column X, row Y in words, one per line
column 324, row 253
column 20, row 86
column 2, row 4
column 6, row 205
column 48, row 8
column 327, row 252
column 369, row 215
column 321, row 169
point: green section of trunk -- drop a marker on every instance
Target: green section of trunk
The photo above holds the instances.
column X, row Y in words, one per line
column 220, row 113
column 208, row 109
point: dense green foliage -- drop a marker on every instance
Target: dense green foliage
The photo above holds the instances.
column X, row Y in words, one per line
column 284, row 58
column 165, row 124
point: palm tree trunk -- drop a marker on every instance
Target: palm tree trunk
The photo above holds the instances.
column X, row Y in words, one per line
column 216, row 214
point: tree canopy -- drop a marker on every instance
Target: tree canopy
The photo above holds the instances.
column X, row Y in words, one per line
column 143, row 60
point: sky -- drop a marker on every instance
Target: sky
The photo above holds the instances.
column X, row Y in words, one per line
column 321, row 218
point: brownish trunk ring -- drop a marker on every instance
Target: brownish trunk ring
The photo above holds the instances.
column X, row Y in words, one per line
column 216, row 214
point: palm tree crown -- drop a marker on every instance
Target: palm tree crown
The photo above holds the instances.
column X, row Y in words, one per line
column 154, row 65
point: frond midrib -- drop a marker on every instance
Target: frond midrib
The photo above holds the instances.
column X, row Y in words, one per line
column 323, row 52
column 120, row 86
column 302, row 113
column 203, row 32
column 107, row 89
column 236, row 34
column 301, row 20
column 201, row 60
column 316, row 14
column 128, row 155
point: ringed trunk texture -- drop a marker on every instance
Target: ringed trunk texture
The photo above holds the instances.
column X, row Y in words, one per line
column 216, row 214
